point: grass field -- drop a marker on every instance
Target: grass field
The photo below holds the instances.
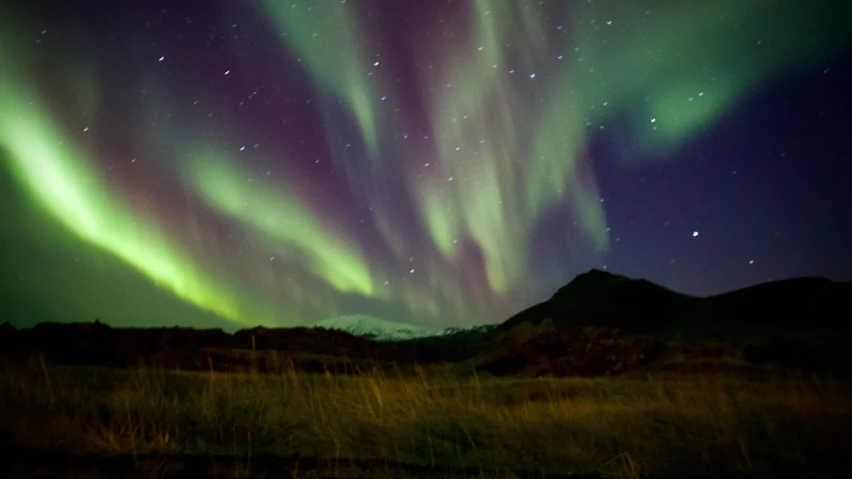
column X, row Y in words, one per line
column 625, row 426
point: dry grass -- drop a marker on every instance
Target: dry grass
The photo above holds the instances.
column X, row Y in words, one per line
column 626, row 426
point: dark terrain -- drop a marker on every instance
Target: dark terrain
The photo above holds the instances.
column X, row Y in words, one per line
column 752, row 382
column 600, row 299
column 600, row 323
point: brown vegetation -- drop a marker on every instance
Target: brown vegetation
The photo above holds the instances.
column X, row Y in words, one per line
column 433, row 423
column 538, row 399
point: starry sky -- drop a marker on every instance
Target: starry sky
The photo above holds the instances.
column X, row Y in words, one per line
column 446, row 163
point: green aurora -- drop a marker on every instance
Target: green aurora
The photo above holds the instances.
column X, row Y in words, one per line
column 500, row 156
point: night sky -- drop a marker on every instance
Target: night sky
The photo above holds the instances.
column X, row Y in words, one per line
column 443, row 163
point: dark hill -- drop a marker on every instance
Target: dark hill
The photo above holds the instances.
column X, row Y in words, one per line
column 798, row 304
column 600, row 299
column 599, row 323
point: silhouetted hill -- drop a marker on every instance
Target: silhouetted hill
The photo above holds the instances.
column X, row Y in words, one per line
column 604, row 300
column 599, row 323
column 797, row 304
column 600, row 299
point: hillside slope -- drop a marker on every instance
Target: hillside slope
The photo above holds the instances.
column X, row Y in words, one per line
column 600, row 299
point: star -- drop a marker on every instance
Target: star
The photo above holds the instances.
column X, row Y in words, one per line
column 539, row 173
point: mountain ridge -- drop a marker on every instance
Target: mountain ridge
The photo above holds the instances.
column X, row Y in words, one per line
column 601, row 299
column 598, row 324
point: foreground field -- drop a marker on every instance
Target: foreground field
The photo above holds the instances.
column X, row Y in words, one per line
column 430, row 424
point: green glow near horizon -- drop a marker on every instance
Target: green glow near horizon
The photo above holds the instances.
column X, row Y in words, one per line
column 505, row 151
column 273, row 212
column 61, row 182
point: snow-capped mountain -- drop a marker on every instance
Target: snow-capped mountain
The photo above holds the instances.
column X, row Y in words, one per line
column 382, row 330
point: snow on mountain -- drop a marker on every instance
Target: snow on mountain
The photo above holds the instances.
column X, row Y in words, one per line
column 380, row 329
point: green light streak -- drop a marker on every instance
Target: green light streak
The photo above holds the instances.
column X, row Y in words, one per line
column 442, row 224
column 686, row 64
column 553, row 172
column 60, row 181
column 514, row 146
column 671, row 70
column 280, row 216
column 326, row 37
column 507, row 165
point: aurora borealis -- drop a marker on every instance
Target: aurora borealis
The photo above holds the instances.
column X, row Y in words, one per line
column 432, row 162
